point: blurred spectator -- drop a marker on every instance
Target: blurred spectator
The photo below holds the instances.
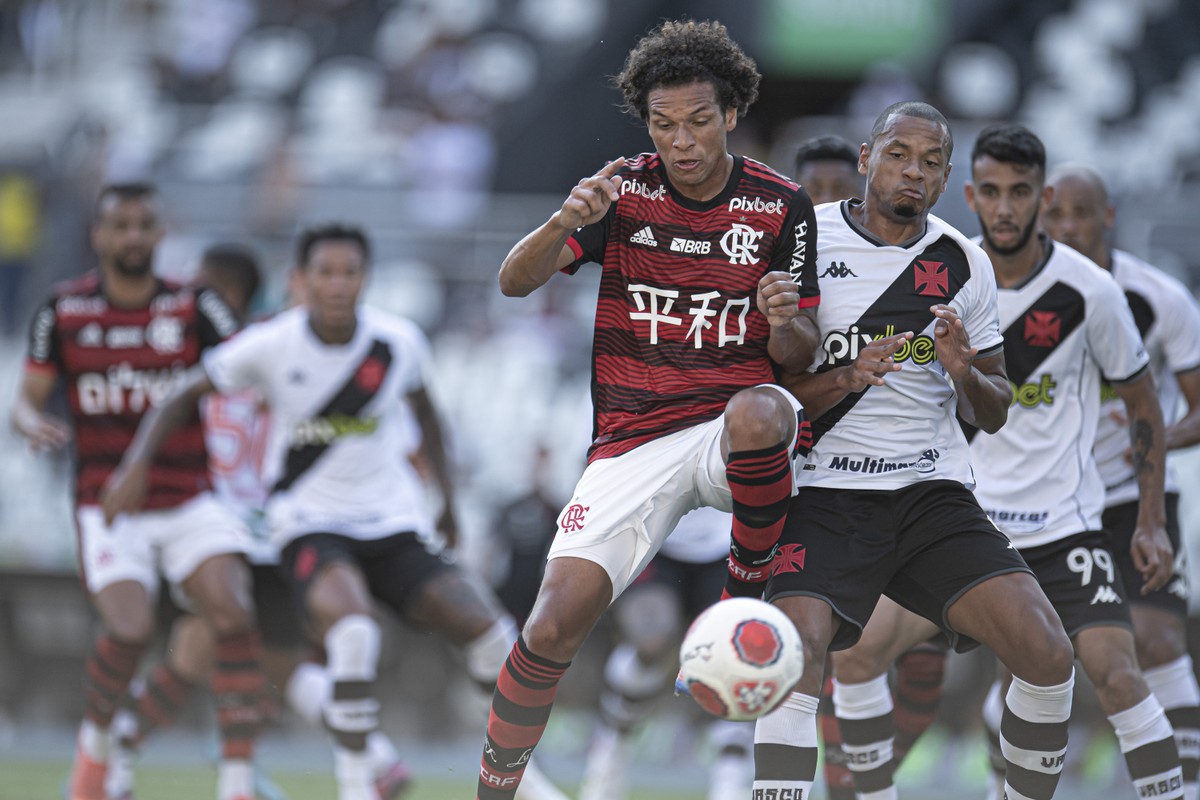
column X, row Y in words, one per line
column 20, row 226
column 197, row 42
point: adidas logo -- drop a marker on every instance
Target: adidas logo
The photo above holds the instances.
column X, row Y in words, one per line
column 644, row 236
column 1105, row 594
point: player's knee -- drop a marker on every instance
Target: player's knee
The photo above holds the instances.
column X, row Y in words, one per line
column 230, row 614
column 554, row 637
column 756, row 418
column 136, row 627
column 1121, row 688
column 1047, row 657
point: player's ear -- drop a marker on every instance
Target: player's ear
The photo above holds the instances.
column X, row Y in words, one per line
column 1047, row 198
column 946, row 177
column 731, row 118
column 969, row 191
column 864, row 153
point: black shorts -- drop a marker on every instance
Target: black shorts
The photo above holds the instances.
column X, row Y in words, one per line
column 923, row 546
column 698, row 585
column 395, row 567
column 278, row 621
column 1120, row 522
column 1079, row 576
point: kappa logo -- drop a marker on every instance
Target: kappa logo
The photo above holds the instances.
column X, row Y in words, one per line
column 931, row 278
column 740, row 243
column 838, row 269
column 644, row 237
column 1042, row 328
column 572, row 518
column 1105, row 594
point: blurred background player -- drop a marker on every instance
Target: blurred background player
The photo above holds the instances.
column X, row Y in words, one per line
column 687, row 413
column 1080, row 215
column 650, row 619
column 1067, row 326
column 346, row 507
column 118, row 338
column 827, row 167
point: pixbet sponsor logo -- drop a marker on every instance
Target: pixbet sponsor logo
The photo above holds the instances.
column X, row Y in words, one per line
column 123, row 388
column 1032, row 395
column 632, row 186
column 757, row 205
column 843, row 347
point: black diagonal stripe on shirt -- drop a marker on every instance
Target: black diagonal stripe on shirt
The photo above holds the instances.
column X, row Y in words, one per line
column 1143, row 312
column 348, row 402
column 1025, row 347
column 901, row 307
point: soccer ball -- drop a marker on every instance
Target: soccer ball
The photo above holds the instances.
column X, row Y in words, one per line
column 740, row 658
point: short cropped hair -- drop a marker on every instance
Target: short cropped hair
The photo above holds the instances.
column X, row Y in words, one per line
column 913, row 108
column 236, row 264
column 330, row 232
column 121, row 192
column 1011, row 143
column 825, row 148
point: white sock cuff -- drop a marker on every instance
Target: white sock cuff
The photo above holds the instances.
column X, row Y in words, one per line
column 352, row 644
column 862, row 700
column 487, row 652
column 308, row 690
column 1040, row 703
column 794, row 723
column 626, row 673
column 1139, row 726
column 1174, row 683
column 993, row 708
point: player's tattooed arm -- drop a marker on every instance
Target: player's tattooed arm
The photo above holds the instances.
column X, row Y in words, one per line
column 1186, row 430
column 1151, row 549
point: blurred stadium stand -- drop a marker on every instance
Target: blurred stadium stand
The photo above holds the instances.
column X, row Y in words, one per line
column 449, row 128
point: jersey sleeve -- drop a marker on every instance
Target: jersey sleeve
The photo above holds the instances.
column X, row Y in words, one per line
column 981, row 317
column 1180, row 330
column 214, row 320
column 796, row 250
column 589, row 242
column 240, row 361
column 415, row 365
column 44, row 354
column 1113, row 335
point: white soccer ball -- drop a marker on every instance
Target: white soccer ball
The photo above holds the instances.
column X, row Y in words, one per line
column 740, row 658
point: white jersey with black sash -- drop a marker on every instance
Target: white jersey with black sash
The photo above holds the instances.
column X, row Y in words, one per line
column 1168, row 318
column 1066, row 327
column 895, row 435
column 335, row 458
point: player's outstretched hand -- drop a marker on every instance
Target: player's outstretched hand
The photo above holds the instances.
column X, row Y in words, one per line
column 874, row 362
column 45, row 432
column 951, row 342
column 591, row 197
column 778, row 298
column 1153, row 557
column 123, row 492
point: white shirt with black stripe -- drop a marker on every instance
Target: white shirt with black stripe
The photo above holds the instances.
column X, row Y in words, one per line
column 360, row 483
column 906, row 431
column 1066, row 326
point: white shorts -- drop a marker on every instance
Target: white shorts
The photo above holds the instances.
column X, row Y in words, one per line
column 171, row 542
column 625, row 507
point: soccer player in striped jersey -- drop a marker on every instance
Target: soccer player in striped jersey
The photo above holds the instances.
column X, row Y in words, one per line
column 346, row 507
column 1080, row 214
column 118, row 338
column 707, row 289
column 1067, row 326
column 910, row 338
column 827, row 167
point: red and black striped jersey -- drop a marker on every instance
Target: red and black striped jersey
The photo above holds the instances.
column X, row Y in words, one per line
column 678, row 331
column 116, row 363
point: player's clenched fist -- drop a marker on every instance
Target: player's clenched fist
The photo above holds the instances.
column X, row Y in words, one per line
column 778, row 298
column 591, row 197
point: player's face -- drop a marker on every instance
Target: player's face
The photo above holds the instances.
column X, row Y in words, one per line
column 1078, row 215
column 829, row 180
column 906, row 167
column 1006, row 198
column 689, row 130
column 333, row 279
column 125, row 234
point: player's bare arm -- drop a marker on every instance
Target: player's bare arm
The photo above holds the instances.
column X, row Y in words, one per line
column 125, row 490
column 29, row 418
column 1151, row 549
column 1186, row 430
column 433, row 444
column 984, row 393
column 794, row 333
column 536, row 258
column 819, row 392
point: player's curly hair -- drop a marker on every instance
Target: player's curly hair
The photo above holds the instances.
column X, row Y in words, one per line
column 684, row 51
